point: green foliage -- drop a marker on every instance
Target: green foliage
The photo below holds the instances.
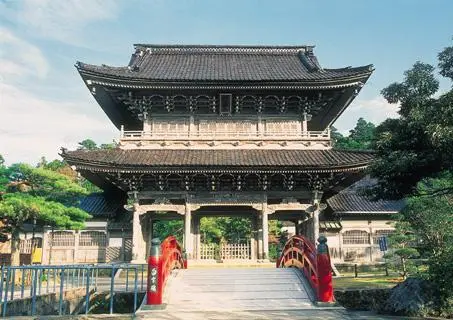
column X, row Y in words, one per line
column 420, row 143
column 415, row 160
column 402, row 242
column 20, row 207
column 165, row 228
column 87, row 144
column 2, row 160
column 38, row 194
column 360, row 138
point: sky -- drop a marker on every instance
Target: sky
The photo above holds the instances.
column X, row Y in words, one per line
column 44, row 105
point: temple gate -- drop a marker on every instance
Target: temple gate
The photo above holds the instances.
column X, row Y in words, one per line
column 212, row 130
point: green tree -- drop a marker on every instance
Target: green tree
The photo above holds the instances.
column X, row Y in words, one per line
column 87, row 144
column 41, row 195
column 360, row 138
column 402, row 242
column 419, row 144
column 414, row 159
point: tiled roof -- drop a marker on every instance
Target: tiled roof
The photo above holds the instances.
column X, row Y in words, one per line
column 225, row 63
column 97, row 204
column 352, row 200
column 225, row 159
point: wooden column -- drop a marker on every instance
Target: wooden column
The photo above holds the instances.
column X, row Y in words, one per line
column 265, row 226
column 188, row 240
column 197, row 238
column 260, row 236
column 317, row 208
column 138, row 241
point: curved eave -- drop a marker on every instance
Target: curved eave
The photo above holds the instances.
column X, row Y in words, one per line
column 104, row 79
column 115, row 167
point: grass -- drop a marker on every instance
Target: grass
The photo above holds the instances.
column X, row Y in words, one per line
column 365, row 282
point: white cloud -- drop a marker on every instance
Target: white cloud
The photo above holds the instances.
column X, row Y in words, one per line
column 20, row 58
column 31, row 127
column 62, row 20
column 374, row 110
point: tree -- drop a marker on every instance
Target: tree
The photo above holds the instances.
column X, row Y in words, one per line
column 42, row 196
column 414, row 159
column 360, row 138
column 402, row 243
column 420, row 143
column 87, row 144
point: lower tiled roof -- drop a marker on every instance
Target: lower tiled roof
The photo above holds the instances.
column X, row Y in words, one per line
column 155, row 159
column 353, row 201
column 97, row 204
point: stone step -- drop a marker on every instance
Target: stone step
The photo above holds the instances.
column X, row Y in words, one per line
column 237, row 289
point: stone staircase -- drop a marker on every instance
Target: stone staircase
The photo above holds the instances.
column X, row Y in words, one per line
column 239, row 289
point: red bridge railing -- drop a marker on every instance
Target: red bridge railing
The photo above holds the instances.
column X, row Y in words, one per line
column 301, row 253
column 164, row 257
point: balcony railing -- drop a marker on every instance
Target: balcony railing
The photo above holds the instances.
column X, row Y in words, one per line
column 226, row 135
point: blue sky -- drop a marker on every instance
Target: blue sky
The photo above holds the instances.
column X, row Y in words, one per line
column 44, row 104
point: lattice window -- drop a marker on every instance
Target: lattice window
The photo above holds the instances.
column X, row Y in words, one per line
column 174, row 182
column 200, row 182
column 62, row 239
column 226, row 182
column 381, row 233
column 92, row 239
column 356, row 237
column 277, row 182
column 252, row 182
column 271, row 105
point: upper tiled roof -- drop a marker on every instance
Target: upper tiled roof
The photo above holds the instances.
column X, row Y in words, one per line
column 223, row 159
column 352, row 200
column 97, row 204
column 225, row 63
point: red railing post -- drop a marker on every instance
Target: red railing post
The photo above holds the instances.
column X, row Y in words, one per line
column 324, row 268
column 155, row 280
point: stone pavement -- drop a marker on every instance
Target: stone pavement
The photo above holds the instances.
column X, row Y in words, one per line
column 269, row 315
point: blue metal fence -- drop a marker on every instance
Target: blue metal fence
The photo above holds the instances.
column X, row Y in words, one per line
column 23, row 282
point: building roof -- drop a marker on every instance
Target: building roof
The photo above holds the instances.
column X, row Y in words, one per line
column 99, row 204
column 225, row 63
column 352, row 201
column 148, row 160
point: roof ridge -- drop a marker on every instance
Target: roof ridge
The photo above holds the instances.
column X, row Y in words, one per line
column 176, row 48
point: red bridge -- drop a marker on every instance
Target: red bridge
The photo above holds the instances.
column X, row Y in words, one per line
column 302, row 278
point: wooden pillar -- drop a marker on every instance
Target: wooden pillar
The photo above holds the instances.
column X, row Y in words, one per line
column 188, row 241
column 318, row 207
column 260, row 236
column 197, row 237
column 138, row 241
column 265, row 226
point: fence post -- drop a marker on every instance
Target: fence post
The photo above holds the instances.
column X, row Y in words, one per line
column 355, row 270
column 5, row 301
column 87, row 292
column 324, row 268
column 154, row 286
column 112, row 289
column 135, row 288
column 60, row 303
column 34, row 273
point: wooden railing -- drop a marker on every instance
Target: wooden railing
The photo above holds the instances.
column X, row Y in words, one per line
column 210, row 135
column 315, row 264
column 164, row 258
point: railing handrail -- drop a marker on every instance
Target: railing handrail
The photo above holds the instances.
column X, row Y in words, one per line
column 300, row 252
column 224, row 133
